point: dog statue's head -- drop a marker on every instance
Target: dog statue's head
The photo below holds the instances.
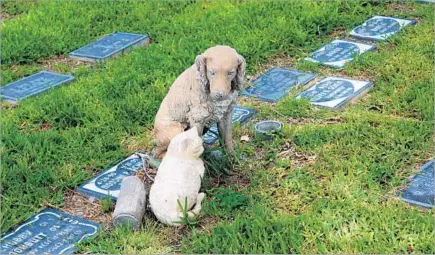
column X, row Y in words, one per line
column 188, row 143
column 220, row 70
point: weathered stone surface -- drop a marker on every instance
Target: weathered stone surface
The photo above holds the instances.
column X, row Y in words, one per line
column 379, row 28
column 276, row 83
column 32, row 85
column 421, row 190
column 48, row 232
column 109, row 46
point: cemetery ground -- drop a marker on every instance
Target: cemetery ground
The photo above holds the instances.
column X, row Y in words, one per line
column 327, row 184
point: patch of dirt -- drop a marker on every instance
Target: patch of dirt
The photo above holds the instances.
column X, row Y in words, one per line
column 297, row 158
column 398, row 7
column 207, row 222
column 5, row 16
column 174, row 235
column 7, row 106
column 339, row 32
column 289, row 151
column 253, row 102
column 302, row 121
column 239, row 179
column 152, row 172
column 50, row 63
column 78, row 205
column 45, row 126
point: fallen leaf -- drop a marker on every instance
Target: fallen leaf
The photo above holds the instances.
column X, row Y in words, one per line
column 244, row 138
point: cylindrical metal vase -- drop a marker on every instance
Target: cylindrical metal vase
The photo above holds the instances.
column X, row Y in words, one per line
column 130, row 206
column 266, row 129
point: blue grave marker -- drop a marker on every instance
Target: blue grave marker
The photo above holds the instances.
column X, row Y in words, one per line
column 333, row 92
column 421, row 189
column 48, row 232
column 109, row 45
column 274, row 84
column 240, row 114
column 379, row 28
column 339, row 52
column 108, row 183
column 32, row 85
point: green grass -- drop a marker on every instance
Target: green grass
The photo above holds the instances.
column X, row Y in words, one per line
column 338, row 203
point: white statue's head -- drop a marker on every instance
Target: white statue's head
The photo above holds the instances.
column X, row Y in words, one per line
column 188, row 143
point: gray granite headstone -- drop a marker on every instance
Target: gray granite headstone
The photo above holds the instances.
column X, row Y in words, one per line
column 333, row 92
column 379, row 28
column 338, row 52
column 32, row 85
column 108, row 183
column 109, row 45
column 276, row 83
column 421, row 189
column 48, row 232
column 240, row 114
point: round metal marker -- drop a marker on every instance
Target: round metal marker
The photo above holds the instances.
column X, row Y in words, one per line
column 264, row 129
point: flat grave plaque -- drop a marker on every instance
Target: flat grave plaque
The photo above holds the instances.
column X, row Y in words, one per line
column 240, row 114
column 108, row 183
column 333, row 92
column 421, row 189
column 109, row 45
column 379, row 28
column 338, row 52
column 48, row 232
column 32, row 85
column 276, row 83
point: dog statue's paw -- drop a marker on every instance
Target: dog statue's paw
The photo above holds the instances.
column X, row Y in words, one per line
column 153, row 160
column 157, row 153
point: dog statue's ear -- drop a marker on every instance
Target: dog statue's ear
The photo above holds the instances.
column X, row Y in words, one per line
column 201, row 73
column 237, row 84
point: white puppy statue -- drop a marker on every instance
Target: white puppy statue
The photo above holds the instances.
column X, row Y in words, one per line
column 179, row 177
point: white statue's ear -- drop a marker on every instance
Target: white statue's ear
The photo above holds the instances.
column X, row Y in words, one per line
column 184, row 145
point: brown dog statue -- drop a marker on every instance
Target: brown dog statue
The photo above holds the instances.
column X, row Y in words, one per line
column 202, row 95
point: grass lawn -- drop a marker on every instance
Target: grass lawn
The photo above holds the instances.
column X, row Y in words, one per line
column 326, row 185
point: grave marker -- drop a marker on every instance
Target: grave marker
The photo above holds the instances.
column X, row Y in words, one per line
column 240, row 114
column 338, row 52
column 48, row 232
column 379, row 28
column 108, row 183
column 32, row 85
column 421, row 189
column 276, row 83
column 333, row 92
column 109, row 45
